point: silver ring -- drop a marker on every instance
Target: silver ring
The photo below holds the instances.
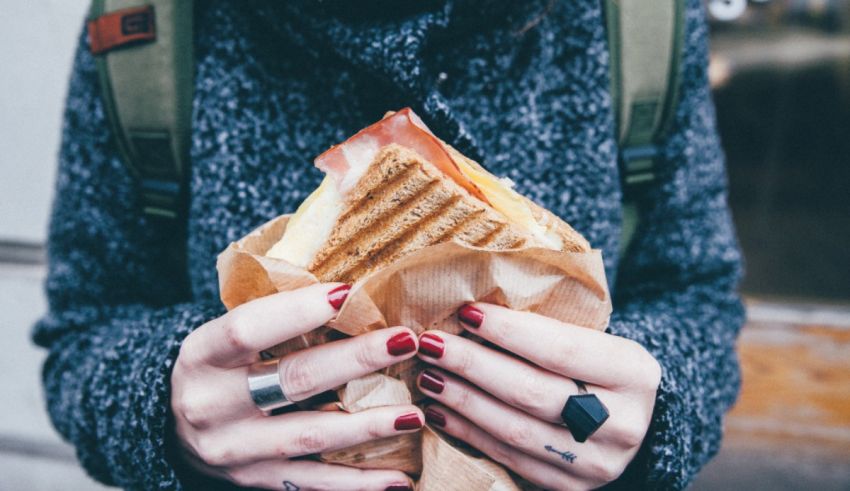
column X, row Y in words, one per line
column 265, row 387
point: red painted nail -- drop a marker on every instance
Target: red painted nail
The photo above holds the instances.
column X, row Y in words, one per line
column 432, row 381
column 470, row 316
column 431, row 345
column 408, row 422
column 401, row 344
column 435, row 417
column 399, row 487
column 337, row 296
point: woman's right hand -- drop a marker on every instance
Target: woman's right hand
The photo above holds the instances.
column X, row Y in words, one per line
column 224, row 434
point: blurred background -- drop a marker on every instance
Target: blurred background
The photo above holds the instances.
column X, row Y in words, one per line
column 780, row 70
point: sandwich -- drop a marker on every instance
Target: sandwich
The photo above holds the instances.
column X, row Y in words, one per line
column 389, row 191
column 393, row 189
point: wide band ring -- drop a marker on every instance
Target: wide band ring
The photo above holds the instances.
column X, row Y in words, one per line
column 265, row 387
column 583, row 414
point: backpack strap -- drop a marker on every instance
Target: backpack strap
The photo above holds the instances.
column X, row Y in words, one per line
column 145, row 64
column 645, row 45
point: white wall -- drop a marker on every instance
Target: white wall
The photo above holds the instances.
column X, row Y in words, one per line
column 37, row 40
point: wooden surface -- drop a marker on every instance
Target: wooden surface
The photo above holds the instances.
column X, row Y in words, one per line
column 796, row 384
column 790, row 429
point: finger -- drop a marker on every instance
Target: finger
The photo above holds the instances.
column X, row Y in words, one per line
column 237, row 337
column 304, row 433
column 575, row 352
column 305, row 475
column 312, row 371
column 538, row 472
column 510, row 425
column 220, row 396
column 213, row 398
column 538, row 392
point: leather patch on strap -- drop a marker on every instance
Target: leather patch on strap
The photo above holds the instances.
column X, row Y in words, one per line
column 120, row 28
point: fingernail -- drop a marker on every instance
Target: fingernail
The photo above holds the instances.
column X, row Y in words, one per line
column 432, row 381
column 337, row 296
column 399, row 487
column 435, row 417
column 470, row 316
column 431, row 345
column 401, row 344
column 408, row 422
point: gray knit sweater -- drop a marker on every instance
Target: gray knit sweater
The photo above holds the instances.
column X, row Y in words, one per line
column 277, row 83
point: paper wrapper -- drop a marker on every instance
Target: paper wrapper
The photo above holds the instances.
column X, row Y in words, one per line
column 422, row 291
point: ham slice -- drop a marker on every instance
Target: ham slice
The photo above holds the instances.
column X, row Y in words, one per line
column 348, row 161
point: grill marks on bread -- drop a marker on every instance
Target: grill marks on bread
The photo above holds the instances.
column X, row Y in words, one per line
column 403, row 204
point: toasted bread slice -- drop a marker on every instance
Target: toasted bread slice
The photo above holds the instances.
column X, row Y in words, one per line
column 403, row 204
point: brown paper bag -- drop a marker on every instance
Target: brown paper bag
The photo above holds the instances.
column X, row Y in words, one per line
column 449, row 469
column 422, row 291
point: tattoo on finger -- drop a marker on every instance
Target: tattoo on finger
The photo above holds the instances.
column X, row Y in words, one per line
column 566, row 455
column 290, row 486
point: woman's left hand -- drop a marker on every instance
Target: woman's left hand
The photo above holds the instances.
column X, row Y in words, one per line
column 509, row 407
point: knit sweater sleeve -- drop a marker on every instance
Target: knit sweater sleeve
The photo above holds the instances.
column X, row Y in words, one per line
column 117, row 314
column 676, row 289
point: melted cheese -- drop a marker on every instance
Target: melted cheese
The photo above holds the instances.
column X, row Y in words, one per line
column 310, row 226
column 510, row 204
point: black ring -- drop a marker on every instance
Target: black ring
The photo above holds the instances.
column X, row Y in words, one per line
column 583, row 414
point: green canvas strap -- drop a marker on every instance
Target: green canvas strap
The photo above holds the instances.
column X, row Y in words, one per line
column 147, row 93
column 645, row 45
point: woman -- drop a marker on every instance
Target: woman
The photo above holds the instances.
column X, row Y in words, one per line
column 147, row 377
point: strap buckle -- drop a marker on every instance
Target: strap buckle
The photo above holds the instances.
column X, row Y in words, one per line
column 637, row 167
column 161, row 197
column 159, row 173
